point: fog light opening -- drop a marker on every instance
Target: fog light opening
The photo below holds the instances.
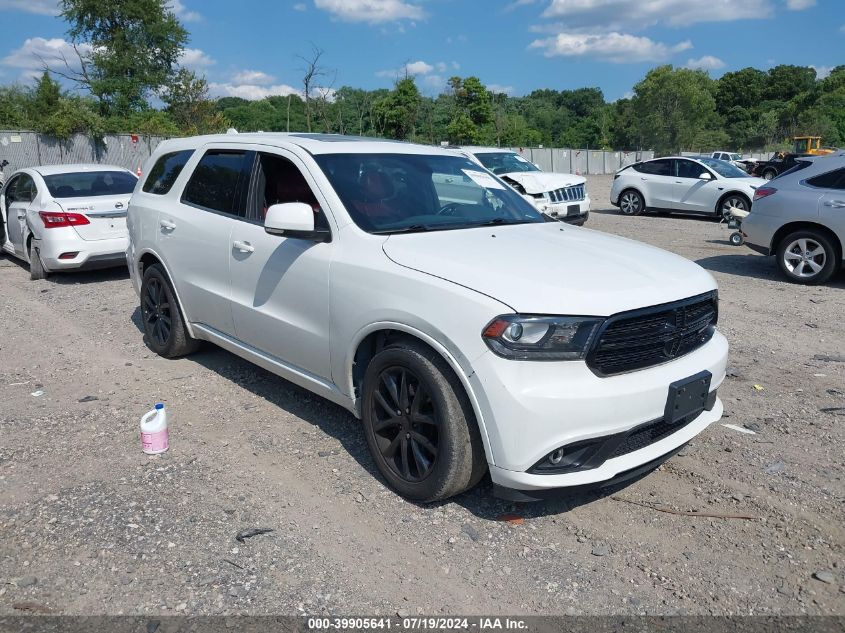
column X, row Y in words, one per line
column 70, row 255
column 556, row 457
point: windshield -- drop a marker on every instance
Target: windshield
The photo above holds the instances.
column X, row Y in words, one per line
column 85, row 184
column 723, row 168
column 505, row 162
column 402, row 193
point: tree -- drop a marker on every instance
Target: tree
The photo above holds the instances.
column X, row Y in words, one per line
column 312, row 70
column 126, row 50
column 46, row 98
column 785, row 82
column 676, row 106
column 186, row 98
column 740, row 88
column 399, row 109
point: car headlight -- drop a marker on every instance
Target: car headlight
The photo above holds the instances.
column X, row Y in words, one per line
column 527, row 337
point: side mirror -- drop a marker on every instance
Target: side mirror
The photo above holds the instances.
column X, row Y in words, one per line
column 296, row 220
column 705, row 175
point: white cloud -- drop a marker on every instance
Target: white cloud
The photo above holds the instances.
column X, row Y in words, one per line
column 628, row 14
column 516, row 4
column 182, row 12
column 800, row 5
column 371, row 11
column 822, row 71
column 252, row 92
column 41, row 7
column 417, row 68
column 31, row 56
column 300, row 6
column 708, row 62
column 254, row 77
column 613, row 47
column 195, row 59
column 500, row 89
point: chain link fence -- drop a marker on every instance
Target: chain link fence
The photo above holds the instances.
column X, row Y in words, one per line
column 29, row 149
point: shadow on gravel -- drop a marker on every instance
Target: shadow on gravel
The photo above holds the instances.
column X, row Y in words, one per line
column 759, row 266
column 675, row 215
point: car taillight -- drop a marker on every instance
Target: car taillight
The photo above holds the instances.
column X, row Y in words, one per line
column 54, row 220
column 762, row 192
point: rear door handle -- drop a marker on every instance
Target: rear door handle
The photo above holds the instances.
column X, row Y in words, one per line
column 837, row 204
column 243, row 247
column 21, row 215
column 643, row 178
column 167, row 225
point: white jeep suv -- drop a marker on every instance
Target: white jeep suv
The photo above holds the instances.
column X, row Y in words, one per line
column 453, row 326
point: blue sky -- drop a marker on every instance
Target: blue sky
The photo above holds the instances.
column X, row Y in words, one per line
column 249, row 48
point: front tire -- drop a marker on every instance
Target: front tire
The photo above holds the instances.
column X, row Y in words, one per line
column 419, row 424
column 631, row 202
column 807, row 257
column 732, row 200
column 36, row 267
column 164, row 326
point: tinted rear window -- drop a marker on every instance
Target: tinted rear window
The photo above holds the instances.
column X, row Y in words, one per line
column 656, row 167
column 214, row 183
column 831, row 180
column 165, row 172
column 85, row 184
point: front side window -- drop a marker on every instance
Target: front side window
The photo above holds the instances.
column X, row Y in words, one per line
column 85, row 184
column 216, row 183
column 397, row 193
column 689, row 169
column 279, row 181
column 661, row 167
column 11, row 189
column 831, row 180
column 165, row 172
column 505, row 162
column 24, row 190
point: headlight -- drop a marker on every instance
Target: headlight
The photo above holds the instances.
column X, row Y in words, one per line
column 526, row 337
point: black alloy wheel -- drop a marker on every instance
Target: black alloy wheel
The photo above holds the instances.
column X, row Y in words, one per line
column 156, row 310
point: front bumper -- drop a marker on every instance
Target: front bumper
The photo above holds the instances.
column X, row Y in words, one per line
column 532, row 408
column 92, row 254
column 575, row 212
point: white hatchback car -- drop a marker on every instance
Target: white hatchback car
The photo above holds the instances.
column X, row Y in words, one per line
column 560, row 195
column 66, row 217
column 346, row 266
column 679, row 183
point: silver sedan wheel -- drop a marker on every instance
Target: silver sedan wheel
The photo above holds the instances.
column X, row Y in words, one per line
column 733, row 201
column 630, row 203
column 804, row 258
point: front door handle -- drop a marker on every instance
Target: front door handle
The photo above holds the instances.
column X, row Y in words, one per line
column 837, row 204
column 167, row 225
column 643, row 178
column 21, row 215
column 243, row 247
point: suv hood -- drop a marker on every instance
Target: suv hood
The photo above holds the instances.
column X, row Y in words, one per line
column 552, row 268
column 541, row 182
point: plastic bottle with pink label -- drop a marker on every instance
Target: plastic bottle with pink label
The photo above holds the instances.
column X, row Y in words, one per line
column 154, row 431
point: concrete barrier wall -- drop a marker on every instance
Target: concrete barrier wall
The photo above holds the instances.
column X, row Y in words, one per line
column 581, row 161
column 30, row 149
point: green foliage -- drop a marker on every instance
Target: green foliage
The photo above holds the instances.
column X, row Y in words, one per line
column 128, row 49
column 186, row 98
column 398, row 110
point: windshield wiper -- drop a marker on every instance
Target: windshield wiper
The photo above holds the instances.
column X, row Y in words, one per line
column 414, row 228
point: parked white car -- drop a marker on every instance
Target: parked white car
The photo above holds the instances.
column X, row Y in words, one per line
column 453, row 329
column 799, row 217
column 66, row 217
column 559, row 195
column 677, row 183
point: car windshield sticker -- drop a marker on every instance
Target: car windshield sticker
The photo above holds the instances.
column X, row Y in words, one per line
column 483, row 180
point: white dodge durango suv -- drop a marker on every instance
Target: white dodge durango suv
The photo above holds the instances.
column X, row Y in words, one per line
column 452, row 328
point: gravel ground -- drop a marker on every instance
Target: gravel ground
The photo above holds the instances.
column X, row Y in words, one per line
column 90, row 525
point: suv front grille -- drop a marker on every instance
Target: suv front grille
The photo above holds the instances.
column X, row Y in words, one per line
column 651, row 336
column 568, row 194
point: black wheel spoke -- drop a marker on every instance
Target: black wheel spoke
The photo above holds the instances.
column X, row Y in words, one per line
column 380, row 399
column 417, row 402
column 390, row 382
column 406, row 466
column 381, row 425
column 403, row 391
column 424, row 419
column 423, row 463
column 420, row 439
column 390, row 451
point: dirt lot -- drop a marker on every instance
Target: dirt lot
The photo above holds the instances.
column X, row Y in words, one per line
column 88, row 524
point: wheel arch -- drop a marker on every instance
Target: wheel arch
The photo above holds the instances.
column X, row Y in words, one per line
column 635, row 189
column 733, row 192
column 149, row 258
column 373, row 338
column 786, row 229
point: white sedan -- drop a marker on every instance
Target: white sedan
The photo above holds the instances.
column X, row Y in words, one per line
column 66, row 217
column 689, row 185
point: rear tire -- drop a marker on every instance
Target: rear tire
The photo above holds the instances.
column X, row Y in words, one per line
column 419, row 424
column 164, row 326
column 36, row 267
column 768, row 174
column 631, row 202
column 807, row 257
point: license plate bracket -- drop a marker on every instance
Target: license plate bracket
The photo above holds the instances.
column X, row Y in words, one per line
column 573, row 209
column 687, row 397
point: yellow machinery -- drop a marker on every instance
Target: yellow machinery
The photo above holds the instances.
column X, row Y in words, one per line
column 811, row 145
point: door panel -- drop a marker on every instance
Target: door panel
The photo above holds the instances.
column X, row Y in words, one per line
column 280, row 286
column 16, row 209
column 692, row 193
column 832, row 211
column 657, row 182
